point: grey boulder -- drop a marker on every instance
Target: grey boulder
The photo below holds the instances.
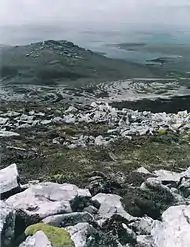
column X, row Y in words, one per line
column 155, row 185
column 174, row 229
column 109, row 204
column 45, row 199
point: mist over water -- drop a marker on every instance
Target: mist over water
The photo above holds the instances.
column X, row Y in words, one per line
column 97, row 24
column 96, row 37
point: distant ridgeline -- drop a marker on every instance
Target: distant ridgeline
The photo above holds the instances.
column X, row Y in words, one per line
column 50, row 62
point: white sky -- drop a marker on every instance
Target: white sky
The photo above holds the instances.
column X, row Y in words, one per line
column 17, row 12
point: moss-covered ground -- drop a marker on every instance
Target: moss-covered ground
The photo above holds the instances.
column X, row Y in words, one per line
column 57, row 236
column 45, row 160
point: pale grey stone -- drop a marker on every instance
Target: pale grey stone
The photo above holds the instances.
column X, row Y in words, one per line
column 8, row 179
column 39, row 239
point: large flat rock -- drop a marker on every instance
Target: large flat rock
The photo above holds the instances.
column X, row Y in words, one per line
column 174, row 229
column 45, row 199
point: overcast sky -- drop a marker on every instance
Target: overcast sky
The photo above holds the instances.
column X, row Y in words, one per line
column 17, row 12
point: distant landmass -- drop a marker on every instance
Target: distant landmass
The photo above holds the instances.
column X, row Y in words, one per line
column 172, row 57
column 50, row 62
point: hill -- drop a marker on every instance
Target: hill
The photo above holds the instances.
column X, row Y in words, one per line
column 51, row 62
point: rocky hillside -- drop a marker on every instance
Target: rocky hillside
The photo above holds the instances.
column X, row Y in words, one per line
column 93, row 175
column 50, row 62
column 86, row 166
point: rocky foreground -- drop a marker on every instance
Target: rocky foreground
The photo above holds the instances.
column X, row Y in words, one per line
column 93, row 175
column 52, row 214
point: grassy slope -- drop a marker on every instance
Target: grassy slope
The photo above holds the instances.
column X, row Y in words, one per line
column 46, row 161
column 57, row 164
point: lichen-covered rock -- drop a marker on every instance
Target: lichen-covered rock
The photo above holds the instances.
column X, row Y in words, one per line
column 71, row 219
column 58, row 237
column 39, row 239
column 45, row 199
column 155, row 185
column 8, row 181
column 7, row 224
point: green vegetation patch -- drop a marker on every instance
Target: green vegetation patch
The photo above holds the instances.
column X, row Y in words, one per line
column 162, row 131
column 57, row 236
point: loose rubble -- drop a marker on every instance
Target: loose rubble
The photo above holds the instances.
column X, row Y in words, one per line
column 123, row 123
